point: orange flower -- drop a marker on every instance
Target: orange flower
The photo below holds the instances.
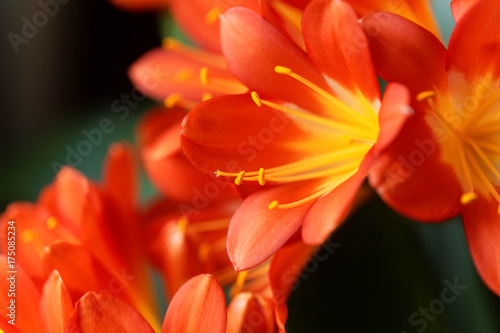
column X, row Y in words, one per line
column 445, row 161
column 311, row 126
column 258, row 298
column 85, row 231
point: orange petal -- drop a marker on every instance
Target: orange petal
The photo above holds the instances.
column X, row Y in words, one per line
column 329, row 211
column 199, row 306
column 166, row 165
column 337, row 45
column 20, row 294
column 231, row 134
column 253, row 48
column 79, row 270
column 71, row 190
column 286, row 267
column 160, row 73
column 119, row 174
column 249, row 312
column 394, row 113
column 176, row 254
column 460, row 7
column 256, row 232
column 199, row 18
column 410, row 174
column 482, row 228
column 56, row 304
column 475, row 38
column 420, row 61
column 417, row 11
column 97, row 313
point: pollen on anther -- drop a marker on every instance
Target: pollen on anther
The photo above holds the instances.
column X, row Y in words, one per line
column 468, row 198
column 239, row 178
column 172, row 100
column 273, row 205
column 425, row 95
column 261, row 178
column 256, row 98
column 283, row 70
column 204, row 76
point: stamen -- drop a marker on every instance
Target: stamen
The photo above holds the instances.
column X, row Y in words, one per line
column 428, row 97
column 239, row 178
column 468, row 198
column 240, row 280
column 275, row 204
column 176, row 99
column 51, row 223
column 213, row 15
column 484, row 179
column 256, row 98
column 465, row 169
column 211, row 225
column 335, row 125
column 261, row 179
column 204, row 76
column 484, row 158
column 320, row 91
column 424, row 95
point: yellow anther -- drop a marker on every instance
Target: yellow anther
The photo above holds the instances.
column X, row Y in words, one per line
column 172, row 100
column 273, row 205
column 182, row 223
column 240, row 280
column 28, row 236
column 204, row 76
column 261, row 179
column 206, row 96
column 183, row 75
column 425, row 95
column 283, row 70
column 256, row 98
column 51, row 223
column 498, row 210
column 468, row 198
column 212, row 15
column 239, row 178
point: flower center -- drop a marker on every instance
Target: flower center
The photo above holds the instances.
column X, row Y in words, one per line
column 352, row 136
column 477, row 147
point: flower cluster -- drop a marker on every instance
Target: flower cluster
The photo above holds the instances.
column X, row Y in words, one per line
column 269, row 130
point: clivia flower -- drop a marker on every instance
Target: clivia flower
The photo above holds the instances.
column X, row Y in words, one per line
column 257, row 299
column 307, row 133
column 83, row 235
column 446, row 159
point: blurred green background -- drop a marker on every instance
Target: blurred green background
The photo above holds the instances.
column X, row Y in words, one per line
column 64, row 80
